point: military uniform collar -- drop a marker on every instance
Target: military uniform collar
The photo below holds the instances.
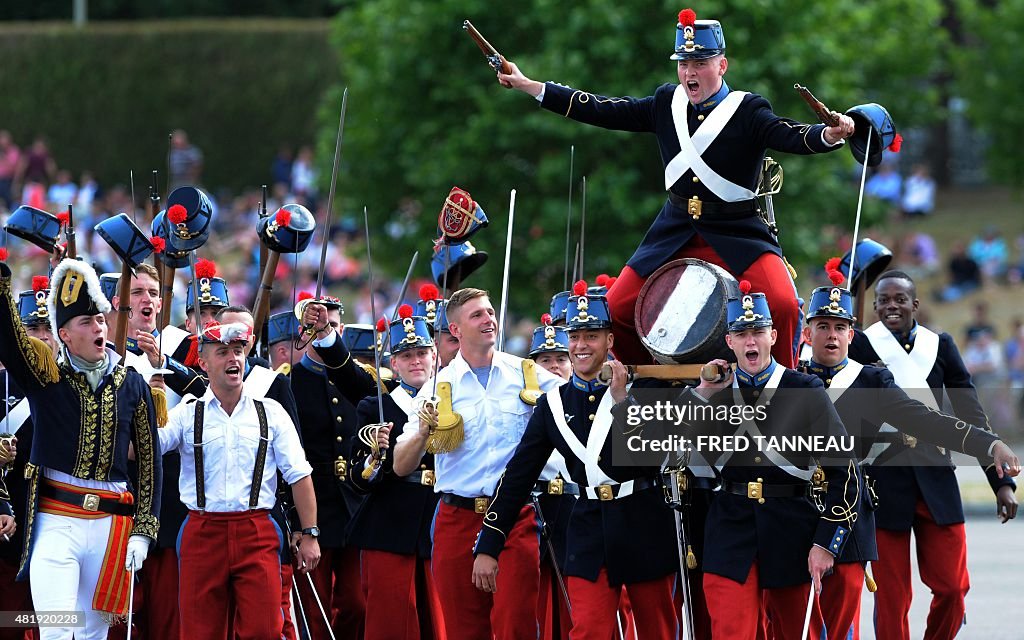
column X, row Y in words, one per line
column 757, row 380
column 586, row 385
column 131, row 344
column 826, row 373
column 907, row 340
column 713, row 101
column 411, row 390
column 315, row 367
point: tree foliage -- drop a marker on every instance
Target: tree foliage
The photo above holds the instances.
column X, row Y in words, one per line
column 987, row 64
column 426, row 113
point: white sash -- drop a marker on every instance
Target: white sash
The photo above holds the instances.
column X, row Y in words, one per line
column 171, row 340
column 403, row 400
column 18, row 414
column 910, row 370
column 749, row 427
column 690, row 149
column 590, row 453
column 842, row 380
column 258, row 382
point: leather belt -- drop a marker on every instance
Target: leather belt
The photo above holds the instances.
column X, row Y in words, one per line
column 424, row 477
column 88, row 501
column 759, row 490
column 696, row 208
column 337, row 469
column 688, row 482
column 477, row 505
column 557, row 487
column 607, row 492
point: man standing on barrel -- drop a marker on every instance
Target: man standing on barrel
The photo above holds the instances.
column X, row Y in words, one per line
column 712, row 141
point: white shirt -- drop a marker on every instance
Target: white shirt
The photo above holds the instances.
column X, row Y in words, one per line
column 229, row 445
column 494, row 420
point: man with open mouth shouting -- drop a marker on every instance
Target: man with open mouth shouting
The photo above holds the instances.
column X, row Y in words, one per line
column 712, row 141
column 85, row 530
column 221, row 437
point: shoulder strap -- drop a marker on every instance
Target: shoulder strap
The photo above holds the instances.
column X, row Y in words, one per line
column 197, row 452
column 261, row 455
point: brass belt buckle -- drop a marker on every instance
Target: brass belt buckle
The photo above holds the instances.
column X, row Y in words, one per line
column 91, row 502
column 480, row 504
column 755, row 491
column 693, row 207
column 427, row 478
column 340, row 468
column 604, row 492
column 556, row 487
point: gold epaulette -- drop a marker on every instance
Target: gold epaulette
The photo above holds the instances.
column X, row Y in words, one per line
column 530, row 392
column 285, row 369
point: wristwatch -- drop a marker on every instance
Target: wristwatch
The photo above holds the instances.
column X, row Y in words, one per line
column 312, row 532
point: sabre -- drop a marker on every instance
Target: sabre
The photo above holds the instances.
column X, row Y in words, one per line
column 195, row 301
column 860, row 204
column 131, row 181
column 373, row 314
column 405, row 284
column 316, row 596
column 437, row 321
column 264, row 256
column 807, row 614
column 504, row 277
column 298, row 601
column 552, row 556
column 583, row 223
column 681, row 545
column 568, row 218
column 131, row 598
column 326, row 227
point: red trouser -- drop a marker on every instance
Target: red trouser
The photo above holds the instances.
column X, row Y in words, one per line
column 735, row 608
column 840, row 600
column 157, row 617
column 224, row 558
column 471, row 614
column 337, row 583
column 552, row 612
column 401, row 601
column 768, row 275
column 942, row 561
column 14, row 596
column 594, row 605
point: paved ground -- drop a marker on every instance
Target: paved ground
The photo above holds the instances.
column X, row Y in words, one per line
column 995, row 560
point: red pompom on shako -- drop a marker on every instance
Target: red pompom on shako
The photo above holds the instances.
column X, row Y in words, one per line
column 3, row 253
column 832, row 264
column 687, row 17
column 283, row 217
column 602, row 280
column 580, row 288
column 304, row 295
column 382, row 325
column 896, row 144
column 744, row 287
column 177, row 214
column 545, row 319
column 611, row 281
column 836, row 277
column 40, row 283
column 429, row 292
column 159, row 244
column 206, row 268
column 63, row 217
column 405, row 311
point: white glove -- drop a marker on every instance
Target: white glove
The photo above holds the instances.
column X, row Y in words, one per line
column 138, row 549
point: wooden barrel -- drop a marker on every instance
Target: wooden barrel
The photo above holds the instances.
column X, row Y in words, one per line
column 680, row 312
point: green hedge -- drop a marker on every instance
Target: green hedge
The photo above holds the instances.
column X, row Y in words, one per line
column 107, row 96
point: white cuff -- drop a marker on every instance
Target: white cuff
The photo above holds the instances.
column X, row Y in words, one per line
column 827, row 143
column 540, row 96
column 992, row 446
column 328, row 342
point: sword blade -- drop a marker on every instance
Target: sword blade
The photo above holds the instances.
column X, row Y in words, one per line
column 373, row 313
column 330, row 195
column 568, row 217
column 504, row 277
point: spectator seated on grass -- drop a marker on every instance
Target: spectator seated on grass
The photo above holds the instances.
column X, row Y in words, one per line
column 964, row 275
